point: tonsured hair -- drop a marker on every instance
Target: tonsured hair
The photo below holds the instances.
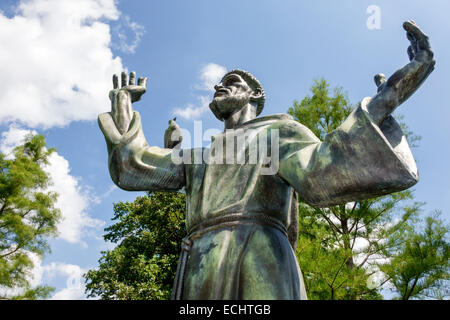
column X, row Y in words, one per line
column 254, row 85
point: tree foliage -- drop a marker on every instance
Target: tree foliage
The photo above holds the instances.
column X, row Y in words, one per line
column 142, row 266
column 27, row 216
column 340, row 248
column 321, row 112
column 419, row 267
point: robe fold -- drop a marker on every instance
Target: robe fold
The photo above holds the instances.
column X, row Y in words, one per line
column 237, row 215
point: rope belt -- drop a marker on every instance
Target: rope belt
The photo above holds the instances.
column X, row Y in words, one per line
column 198, row 230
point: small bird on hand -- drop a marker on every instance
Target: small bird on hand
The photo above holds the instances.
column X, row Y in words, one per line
column 172, row 136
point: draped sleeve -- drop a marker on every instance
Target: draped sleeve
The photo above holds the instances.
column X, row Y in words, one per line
column 136, row 166
column 356, row 161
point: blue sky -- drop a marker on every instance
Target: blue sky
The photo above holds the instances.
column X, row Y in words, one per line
column 61, row 55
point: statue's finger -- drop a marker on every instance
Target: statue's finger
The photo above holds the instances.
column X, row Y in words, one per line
column 410, row 53
column 420, row 37
column 408, row 25
column 115, row 81
column 132, row 81
column 412, row 30
column 124, row 79
column 424, row 43
column 410, row 37
column 142, row 81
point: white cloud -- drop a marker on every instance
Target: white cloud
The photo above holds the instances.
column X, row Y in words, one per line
column 73, row 200
column 75, row 287
column 71, row 293
column 123, row 30
column 57, row 71
column 193, row 111
column 210, row 75
column 43, row 274
column 72, row 274
column 12, row 138
column 111, row 189
column 56, row 61
column 35, row 277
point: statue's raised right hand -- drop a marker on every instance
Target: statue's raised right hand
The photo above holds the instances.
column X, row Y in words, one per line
column 135, row 91
column 122, row 98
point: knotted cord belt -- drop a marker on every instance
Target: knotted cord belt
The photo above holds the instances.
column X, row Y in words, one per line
column 198, row 230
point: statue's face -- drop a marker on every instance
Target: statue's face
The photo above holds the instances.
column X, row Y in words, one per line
column 232, row 94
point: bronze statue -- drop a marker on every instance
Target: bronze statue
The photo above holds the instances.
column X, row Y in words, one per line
column 238, row 216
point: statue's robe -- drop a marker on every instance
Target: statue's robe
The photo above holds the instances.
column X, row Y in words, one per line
column 236, row 217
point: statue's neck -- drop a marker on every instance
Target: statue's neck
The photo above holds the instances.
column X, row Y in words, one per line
column 245, row 114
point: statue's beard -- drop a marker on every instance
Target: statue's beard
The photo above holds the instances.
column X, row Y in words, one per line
column 224, row 107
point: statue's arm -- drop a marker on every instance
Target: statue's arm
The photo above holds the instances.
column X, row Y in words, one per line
column 358, row 160
column 405, row 81
column 368, row 155
column 133, row 164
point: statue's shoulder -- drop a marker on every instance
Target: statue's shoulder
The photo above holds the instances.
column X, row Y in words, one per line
column 287, row 126
column 270, row 119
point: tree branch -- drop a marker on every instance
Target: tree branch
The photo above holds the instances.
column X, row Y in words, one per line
column 355, row 233
column 379, row 213
column 412, row 288
column 337, row 272
column 330, row 222
column 3, row 207
column 13, row 251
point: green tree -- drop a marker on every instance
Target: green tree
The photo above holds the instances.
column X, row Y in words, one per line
column 142, row 266
column 322, row 113
column 419, row 264
column 340, row 248
column 27, row 216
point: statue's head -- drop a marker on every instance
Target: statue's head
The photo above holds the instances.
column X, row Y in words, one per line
column 236, row 90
